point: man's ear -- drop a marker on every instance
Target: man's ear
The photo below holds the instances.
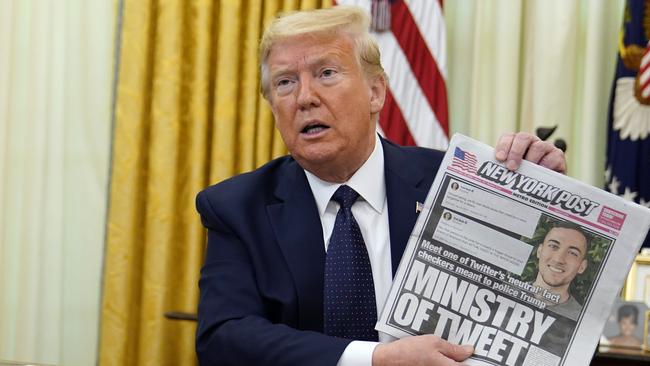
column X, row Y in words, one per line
column 583, row 266
column 377, row 94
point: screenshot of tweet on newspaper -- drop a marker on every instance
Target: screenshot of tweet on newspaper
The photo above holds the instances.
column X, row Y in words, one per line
column 523, row 265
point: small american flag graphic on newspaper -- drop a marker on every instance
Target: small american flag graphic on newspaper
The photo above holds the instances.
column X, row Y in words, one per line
column 464, row 160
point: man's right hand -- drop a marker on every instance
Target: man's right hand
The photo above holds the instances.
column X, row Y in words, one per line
column 420, row 350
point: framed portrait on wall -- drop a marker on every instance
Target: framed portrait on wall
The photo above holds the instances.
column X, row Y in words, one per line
column 637, row 285
column 626, row 325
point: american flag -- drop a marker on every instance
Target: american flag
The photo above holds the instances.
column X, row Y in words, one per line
column 413, row 53
column 464, row 160
column 627, row 172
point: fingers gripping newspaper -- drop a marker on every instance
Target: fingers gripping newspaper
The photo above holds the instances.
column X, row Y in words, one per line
column 523, row 265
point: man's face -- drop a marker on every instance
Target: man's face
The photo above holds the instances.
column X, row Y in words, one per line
column 562, row 256
column 324, row 107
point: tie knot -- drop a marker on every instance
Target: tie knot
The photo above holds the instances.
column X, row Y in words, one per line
column 345, row 196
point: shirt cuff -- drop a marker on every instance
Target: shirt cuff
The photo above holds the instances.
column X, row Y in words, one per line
column 358, row 353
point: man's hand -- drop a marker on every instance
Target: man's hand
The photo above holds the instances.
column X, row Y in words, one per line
column 420, row 350
column 512, row 147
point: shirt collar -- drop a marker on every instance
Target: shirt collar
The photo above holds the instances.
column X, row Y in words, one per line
column 368, row 181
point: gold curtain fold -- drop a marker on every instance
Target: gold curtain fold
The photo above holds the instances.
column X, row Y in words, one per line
column 188, row 114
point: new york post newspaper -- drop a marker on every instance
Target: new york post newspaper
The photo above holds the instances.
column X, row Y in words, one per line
column 524, row 265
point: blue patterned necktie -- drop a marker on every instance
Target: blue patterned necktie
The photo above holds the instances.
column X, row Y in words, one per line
column 349, row 307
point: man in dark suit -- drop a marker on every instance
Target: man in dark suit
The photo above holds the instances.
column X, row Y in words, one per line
column 269, row 291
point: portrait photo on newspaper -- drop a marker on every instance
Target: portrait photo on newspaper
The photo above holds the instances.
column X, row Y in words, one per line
column 512, row 262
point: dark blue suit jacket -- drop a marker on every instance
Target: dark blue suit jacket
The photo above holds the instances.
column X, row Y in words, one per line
column 261, row 284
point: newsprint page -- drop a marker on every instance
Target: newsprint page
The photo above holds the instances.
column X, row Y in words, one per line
column 524, row 265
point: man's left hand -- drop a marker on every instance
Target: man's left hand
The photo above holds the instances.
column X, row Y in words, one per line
column 513, row 147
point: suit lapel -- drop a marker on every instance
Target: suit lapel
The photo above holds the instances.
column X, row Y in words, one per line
column 403, row 189
column 297, row 227
column 299, row 233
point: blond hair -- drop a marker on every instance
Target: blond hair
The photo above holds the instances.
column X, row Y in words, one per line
column 349, row 20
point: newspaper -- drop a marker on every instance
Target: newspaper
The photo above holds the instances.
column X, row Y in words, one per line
column 523, row 265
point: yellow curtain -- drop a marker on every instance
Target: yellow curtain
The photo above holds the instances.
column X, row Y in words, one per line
column 188, row 113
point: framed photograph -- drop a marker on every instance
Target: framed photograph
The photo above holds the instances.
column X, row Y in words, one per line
column 646, row 340
column 626, row 325
column 637, row 285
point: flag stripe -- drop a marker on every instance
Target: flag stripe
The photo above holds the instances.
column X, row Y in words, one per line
column 393, row 124
column 422, row 62
column 417, row 112
column 430, row 21
column 645, row 74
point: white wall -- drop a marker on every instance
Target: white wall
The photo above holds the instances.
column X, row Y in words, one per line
column 56, row 60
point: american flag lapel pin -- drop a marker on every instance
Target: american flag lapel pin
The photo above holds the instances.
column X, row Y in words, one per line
column 418, row 207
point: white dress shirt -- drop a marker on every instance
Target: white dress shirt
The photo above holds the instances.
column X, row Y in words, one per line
column 371, row 213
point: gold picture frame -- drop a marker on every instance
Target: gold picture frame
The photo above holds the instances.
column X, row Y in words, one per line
column 646, row 332
column 637, row 287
